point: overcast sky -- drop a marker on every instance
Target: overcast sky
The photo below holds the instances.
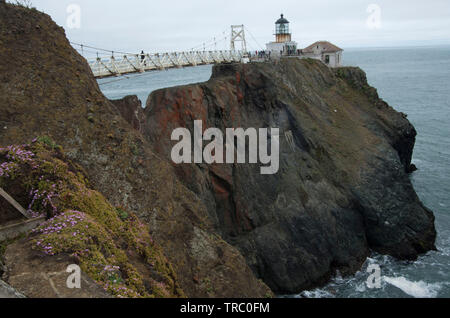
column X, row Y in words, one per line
column 176, row 25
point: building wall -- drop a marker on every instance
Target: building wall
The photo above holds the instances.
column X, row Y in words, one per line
column 331, row 59
column 340, row 61
column 335, row 58
column 276, row 47
column 312, row 56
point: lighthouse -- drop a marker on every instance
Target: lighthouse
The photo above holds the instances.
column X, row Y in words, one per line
column 282, row 33
column 283, row 44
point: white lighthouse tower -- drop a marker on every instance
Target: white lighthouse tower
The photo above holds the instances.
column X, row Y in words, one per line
column 283, row 44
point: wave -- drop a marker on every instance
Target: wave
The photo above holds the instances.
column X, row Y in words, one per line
column 418, row 289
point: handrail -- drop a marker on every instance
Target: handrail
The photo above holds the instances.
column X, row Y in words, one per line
column 114, row 66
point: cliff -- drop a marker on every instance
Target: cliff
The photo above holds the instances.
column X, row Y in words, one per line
column 47, row 89
column 342, row 188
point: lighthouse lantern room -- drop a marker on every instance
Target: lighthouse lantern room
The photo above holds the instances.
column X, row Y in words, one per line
column 282, row 30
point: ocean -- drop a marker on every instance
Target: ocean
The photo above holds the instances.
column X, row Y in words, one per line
column 415, row 81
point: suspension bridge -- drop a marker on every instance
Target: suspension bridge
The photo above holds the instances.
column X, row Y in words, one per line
column 115, row 63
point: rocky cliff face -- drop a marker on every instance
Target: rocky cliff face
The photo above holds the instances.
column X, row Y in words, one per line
column 342, row 187
column 47, row 89
column 130, row 107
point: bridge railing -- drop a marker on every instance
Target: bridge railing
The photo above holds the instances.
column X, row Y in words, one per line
column 137, row 63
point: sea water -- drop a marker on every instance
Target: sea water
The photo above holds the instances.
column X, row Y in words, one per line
column 415, row 81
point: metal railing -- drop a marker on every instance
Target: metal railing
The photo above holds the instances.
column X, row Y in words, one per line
column 139, row 63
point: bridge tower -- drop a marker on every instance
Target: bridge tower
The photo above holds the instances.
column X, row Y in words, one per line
column 238, row 35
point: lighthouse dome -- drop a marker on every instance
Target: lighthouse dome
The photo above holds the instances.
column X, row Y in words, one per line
column 282, row 20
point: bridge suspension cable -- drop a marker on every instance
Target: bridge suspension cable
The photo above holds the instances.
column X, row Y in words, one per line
column 213, row 42
column 254, row 39
column 102, row 51
column 105, row 63
column 99, row 49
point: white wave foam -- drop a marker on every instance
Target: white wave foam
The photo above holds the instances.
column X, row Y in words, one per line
column 418, row 289
column 316, row 293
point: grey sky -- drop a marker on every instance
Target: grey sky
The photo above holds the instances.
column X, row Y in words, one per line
column 175, row 25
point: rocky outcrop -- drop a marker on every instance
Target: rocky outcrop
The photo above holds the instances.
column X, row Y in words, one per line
column 109, row 244
column 7, row 291
column 342, row 188
column 47, row 89
column 130, row 107
column 38, row 276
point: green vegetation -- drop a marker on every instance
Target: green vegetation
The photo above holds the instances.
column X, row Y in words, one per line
column 48, row 141
column 109, row 243
column 123, row 215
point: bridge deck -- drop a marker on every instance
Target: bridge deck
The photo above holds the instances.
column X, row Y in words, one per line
column 138, row 63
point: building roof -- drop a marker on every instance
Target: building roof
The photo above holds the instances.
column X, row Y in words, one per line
column 282, row 20
column 327, row 47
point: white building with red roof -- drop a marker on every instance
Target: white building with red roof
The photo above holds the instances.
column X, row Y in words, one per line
column 325, row 51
